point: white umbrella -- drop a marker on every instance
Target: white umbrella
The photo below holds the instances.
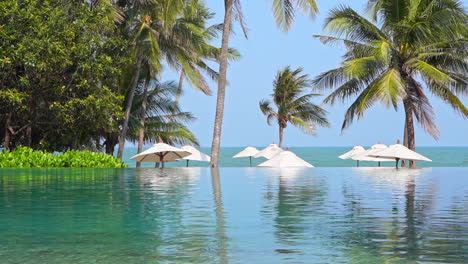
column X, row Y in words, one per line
column 161, row 152
column 357, row 150
column 285, row 159
column 195, row 154
column 366, row 155
column 268, row 152
column 247, row 152
column 399, row 152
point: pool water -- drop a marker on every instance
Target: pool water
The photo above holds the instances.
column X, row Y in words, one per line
column 234, row 215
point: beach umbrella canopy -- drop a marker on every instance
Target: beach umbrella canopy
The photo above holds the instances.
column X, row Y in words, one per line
column 268, row 152
column 399, row 152
column 161, row 152
column 195, row 154
column 285, row 159
column 355, row 151
column 366, row 155
column 247, row 152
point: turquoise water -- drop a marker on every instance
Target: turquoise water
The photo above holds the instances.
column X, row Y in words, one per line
column 325, row 157
column 234, row 215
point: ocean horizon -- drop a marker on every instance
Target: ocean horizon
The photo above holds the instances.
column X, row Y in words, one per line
column 441, row 156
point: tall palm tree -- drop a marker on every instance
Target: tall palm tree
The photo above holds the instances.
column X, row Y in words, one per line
column 146, row 51
column 284, row 11
column 293, row 106
column 174, row 32
column 387, row 58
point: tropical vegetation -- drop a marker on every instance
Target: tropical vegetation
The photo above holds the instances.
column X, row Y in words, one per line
column 293, row 105
column 24, row 157
column 403, row 51
column 171, row 32
column 58, row 68
column 284, row 12
column 87, row 75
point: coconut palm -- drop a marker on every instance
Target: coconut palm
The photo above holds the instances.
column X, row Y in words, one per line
column 174, row 32
column 162, row 116
column 284, row 12
column 293, row 106
column 387, row 58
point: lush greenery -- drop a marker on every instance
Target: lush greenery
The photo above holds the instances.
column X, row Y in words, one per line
column 402, row 44
column 89, row 75
column 58, row 68
column 284, row 12
column 86, row 74
column 293, row 104
column 24, row 157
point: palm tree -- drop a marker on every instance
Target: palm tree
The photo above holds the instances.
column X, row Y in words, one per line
column 283, row 11
column 155, row 104
column 174, row 32
column 293, row 106
column 146, row 51
column 385, row 61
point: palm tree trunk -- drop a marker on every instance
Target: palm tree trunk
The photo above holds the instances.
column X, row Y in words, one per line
column 179, row 88
column 141, row 132
column 221, row 84
column 281, row 133
column 7, row 139
column 128, row 108
column 409, row 124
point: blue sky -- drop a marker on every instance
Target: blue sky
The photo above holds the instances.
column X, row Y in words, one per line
column 263, row 54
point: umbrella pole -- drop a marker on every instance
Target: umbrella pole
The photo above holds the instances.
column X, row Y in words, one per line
column 250, row 161
column 187, row 162
column 162, row 159
column 357, row 163
column 379, row 163
column 396, row 163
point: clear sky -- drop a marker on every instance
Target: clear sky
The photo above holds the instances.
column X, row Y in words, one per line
column 263, row 54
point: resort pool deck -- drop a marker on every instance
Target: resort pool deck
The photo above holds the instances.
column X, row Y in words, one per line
column 234, row 215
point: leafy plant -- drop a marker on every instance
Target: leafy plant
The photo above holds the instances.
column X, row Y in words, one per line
column 24, row 157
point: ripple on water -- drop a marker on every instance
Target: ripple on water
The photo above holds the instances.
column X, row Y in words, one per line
column 234, row 215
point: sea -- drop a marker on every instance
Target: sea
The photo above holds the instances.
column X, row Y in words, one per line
column 319, row 157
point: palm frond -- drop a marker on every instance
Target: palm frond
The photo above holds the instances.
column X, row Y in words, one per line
column 344, row 21
column 306, row 127
column 284, row 11
column 428, row 70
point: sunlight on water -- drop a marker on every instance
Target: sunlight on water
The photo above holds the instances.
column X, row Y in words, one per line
column 234, row 215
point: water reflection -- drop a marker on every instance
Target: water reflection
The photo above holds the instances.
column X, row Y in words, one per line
column 202, row 215
column 406, row 232
column 391, row 177
column 220, row 220
column 296, row 197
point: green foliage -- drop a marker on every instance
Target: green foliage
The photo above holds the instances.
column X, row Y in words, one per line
column 293, row 104
column 389, row 54
column 163, row 117
column 59, row 68
column 24, row 157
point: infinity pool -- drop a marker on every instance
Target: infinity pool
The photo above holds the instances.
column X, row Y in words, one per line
column 234, row 215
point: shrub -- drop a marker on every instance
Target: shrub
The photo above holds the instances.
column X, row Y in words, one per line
column 24, row 157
